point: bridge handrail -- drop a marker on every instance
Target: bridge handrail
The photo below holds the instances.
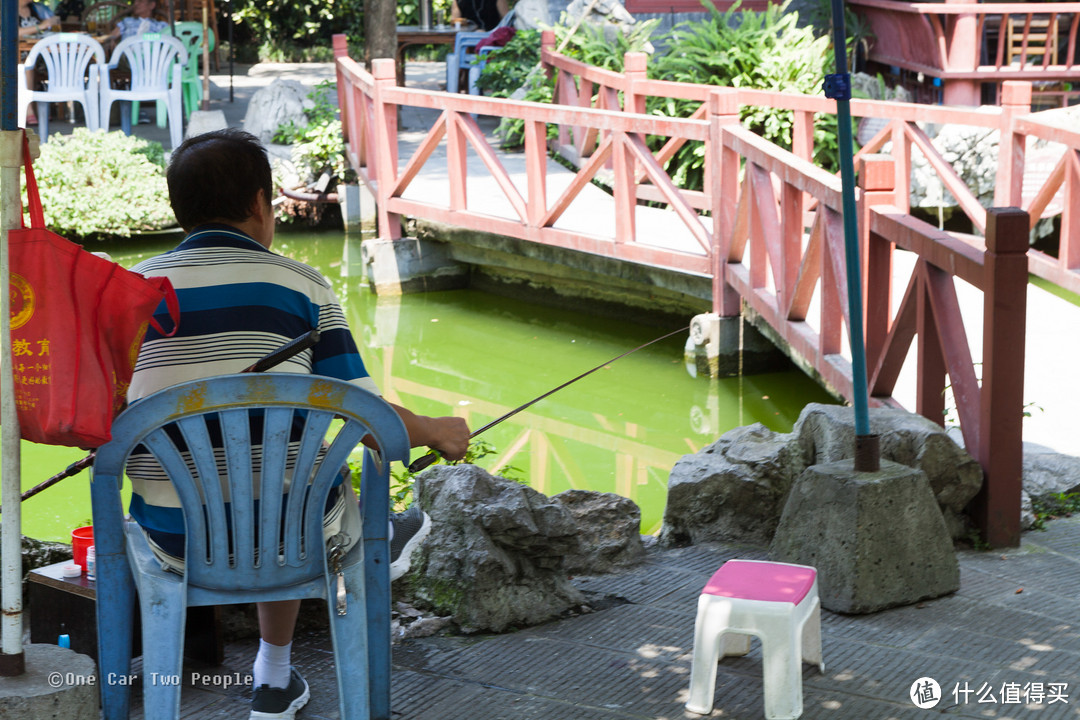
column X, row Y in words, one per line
column 1012, row 119
column 759, row 198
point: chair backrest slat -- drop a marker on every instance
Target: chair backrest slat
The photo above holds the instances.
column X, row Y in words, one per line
column 273, row 472
column 308, row 457
column 207, row 482
column 237, row 442
column 220, row 466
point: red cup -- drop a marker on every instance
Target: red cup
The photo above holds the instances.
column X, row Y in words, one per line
column 81, row 539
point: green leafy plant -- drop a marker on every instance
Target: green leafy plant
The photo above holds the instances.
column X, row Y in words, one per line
column 95, row 184
column 1053, row 506
column 761, row 50
column 514, row 68
column 857, row 30
column 408, row 11
column 506, row 68
column 318, row 146
column 283, row 27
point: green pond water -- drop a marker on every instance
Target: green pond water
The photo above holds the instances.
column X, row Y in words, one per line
column 478, row 355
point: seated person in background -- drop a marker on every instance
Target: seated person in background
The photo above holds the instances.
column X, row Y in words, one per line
column 70, row 10
column 485, row 14
column 35, row 17
column 140, row 21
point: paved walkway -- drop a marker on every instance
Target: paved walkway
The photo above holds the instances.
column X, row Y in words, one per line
column 1014, row 624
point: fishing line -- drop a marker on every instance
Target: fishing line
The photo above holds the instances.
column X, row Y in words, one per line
column 426, row 460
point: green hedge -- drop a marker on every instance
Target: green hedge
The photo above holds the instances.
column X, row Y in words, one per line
column 95, row 184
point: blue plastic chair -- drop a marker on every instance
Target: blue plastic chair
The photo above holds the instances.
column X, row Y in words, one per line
column 254, row 566
column 465, row 57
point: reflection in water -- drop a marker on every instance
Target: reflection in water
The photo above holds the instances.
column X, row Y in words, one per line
column 478, row 356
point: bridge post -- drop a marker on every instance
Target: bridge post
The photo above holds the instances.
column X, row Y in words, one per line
column 341, row 49
column 723, row 190
column 385, row 150
column 962, row 55
column 547, row 45
column 635, row 66
column 996, row 508
column 1015, row 101
column 877, row 181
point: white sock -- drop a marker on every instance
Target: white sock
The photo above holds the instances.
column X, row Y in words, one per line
column 272, row 665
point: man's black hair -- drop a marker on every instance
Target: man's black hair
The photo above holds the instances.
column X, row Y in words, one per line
column 217, row 176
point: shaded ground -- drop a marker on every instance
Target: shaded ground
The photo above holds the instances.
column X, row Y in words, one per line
column 1014, row 622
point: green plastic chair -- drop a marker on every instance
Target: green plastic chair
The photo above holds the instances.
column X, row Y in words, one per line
column 190, row 33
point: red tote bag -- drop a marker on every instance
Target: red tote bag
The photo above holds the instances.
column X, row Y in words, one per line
column 77, row 322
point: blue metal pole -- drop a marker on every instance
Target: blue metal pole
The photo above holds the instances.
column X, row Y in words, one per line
column 838, row 87
column 9, row 61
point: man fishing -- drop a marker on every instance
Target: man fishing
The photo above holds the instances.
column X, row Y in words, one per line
column 238, row 300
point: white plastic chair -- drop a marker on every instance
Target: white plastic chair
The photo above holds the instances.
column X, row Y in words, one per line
column 776, row 602
column 156, row 62
column 71, row 64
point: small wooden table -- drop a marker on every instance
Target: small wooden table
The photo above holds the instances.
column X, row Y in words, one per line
column 60, row 605
column 415, row 35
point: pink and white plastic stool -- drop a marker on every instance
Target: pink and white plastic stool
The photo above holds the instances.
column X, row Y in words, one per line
column 778, row 603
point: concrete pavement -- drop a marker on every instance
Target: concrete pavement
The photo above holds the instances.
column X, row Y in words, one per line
column 1006, row 645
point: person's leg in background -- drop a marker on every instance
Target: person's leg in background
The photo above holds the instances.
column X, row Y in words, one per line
column 279, row 689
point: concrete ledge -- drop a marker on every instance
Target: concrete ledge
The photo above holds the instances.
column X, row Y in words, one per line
column 59, row 684
column 728, row 347
column 556, row 273
column 397, row 267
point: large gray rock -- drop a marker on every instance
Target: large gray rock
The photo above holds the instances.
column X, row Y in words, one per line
column 494, row 559
column 609, row 527
column 827, row 434
column 1047, row 472
column 735, row 489
column 732, row 490
column 272, row 106
column 876, row 539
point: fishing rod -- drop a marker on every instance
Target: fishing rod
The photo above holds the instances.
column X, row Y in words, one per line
column 425, row 461
column 283, row 353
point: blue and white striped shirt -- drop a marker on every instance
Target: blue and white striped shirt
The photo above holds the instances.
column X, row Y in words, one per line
column 238, row 302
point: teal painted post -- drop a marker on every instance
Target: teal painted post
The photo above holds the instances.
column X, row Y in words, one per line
column 838, row 87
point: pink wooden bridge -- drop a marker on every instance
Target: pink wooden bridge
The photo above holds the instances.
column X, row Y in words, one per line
column 766, row 228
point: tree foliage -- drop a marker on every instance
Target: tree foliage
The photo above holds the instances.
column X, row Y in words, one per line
column 282, row 23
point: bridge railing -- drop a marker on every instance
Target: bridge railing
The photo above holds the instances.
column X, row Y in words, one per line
column 771, row 239
column 968, row 43
column 900, row 131
column 369, row 106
